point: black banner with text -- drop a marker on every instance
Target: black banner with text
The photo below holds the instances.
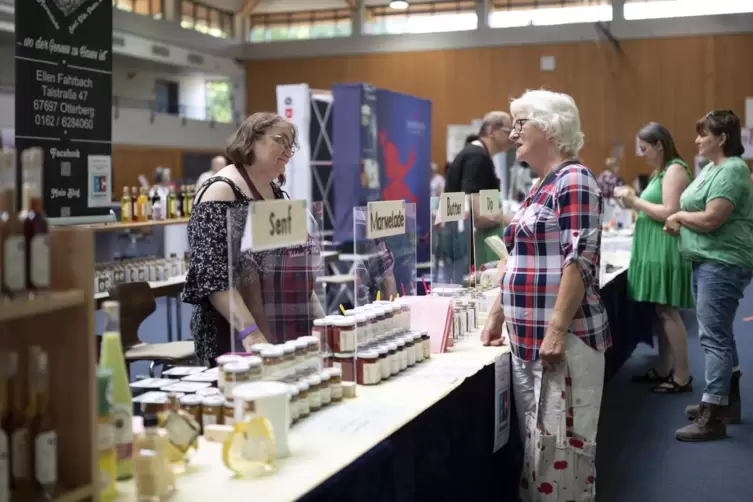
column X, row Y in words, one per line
column 64, row 100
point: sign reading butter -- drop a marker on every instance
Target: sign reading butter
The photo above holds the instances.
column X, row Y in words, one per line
column 275, row 224
column 451, row 207
column 385, row 218
column 488, row 203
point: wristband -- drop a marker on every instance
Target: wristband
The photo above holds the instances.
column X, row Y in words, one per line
column 244, row 334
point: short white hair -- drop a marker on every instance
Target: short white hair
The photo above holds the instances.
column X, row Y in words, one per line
column 556, row 114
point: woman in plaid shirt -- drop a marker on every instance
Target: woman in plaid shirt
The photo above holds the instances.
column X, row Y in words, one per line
column 549, row 290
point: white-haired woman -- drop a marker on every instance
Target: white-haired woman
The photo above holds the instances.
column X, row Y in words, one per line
column 556, row 321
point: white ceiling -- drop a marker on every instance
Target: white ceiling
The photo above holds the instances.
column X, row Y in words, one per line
column 290, row 5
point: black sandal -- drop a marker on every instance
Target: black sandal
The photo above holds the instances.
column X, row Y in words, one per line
column 651, row 376
column 670, row 386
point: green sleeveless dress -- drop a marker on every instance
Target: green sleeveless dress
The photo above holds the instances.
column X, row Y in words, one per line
column 657, row 273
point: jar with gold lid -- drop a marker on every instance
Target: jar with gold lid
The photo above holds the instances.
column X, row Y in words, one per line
column 303, row 399
column 212, row 410
column 192, row 404
column 315, row 395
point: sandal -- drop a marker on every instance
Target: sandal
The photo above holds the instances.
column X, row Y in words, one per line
column 651, row 376
column 670, row 386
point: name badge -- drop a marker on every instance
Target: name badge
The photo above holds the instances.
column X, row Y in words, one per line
column 385, row 218
column 275, row 224
column 451, row 207
column 488, row 203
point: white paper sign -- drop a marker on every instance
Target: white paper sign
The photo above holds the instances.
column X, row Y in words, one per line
column 502, row 410
column 451, row 207
column 275, row 224
column 99, row 173
column 385, row 218
column 489, row 203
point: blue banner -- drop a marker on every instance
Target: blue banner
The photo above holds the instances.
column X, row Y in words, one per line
column 346, row 157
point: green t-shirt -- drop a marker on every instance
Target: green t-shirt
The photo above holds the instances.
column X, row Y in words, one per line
column 732, row 242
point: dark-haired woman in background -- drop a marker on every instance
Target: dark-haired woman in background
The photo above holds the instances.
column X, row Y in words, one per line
column 715, row 225
column 657, row 273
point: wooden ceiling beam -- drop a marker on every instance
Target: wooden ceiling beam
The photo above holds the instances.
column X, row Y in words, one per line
column 248, row 7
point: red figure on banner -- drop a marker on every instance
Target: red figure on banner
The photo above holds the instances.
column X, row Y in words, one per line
column 395, row 170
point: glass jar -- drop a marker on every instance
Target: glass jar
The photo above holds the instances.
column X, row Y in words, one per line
column 426, row 339
column 345, row 363
column 288, row 357
column 326, row 390
column 384, row 321
column 315, row 392
column 362, row 334
column 410, row 353
column 254, row 368
column 192, row 404
column 402, row 354
column 384, row 361
column 212, row 410
column 344, row 334
column 236, row 373
column 258, row 347
column 209, row 391
column 372, row 333
column 394, row 358
column 418, row 346
column 336, row 384
column 303, row 399
column 228, row 412
column 327, row 360
column 294, row 407
column 321, row 330
column 271, row 362
column 301, row 350
column 314, row 348
column 222, row 361
column 368, row 370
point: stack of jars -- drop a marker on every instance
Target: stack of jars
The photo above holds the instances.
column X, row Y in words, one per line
column 297, row 363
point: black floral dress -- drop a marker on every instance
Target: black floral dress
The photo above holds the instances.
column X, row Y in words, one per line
column 285, row 278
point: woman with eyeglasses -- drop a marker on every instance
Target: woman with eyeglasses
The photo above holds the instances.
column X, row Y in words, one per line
column 715, row 225
column 238, row 295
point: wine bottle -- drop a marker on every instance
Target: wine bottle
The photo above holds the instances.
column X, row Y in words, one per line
column 113, row 359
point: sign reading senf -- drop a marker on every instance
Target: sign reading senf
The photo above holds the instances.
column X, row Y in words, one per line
column 385, row 218
column 275, row 224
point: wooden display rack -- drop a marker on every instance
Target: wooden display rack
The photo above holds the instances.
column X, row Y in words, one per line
column 62, row 323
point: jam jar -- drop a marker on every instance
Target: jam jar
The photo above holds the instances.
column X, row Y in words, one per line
column 344, row 334
column 368, row 370
column 344, row 361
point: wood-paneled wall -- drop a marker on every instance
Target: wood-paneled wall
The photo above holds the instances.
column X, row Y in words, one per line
column 673, row 81
column 129, row 162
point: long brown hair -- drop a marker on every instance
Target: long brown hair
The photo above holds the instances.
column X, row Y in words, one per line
column 240, row 145
column 654, row 134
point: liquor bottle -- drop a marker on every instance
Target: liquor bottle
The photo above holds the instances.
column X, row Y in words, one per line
column 18, row 430
column 125, row 206
column 180, row 202
column 113, row 359
column 143, row 205
column 134, row 203
column 4, row 441
column 158, row 211
column 188, row 201
column 45, row 448
column 14, row 243
column 35, row 223
column 171, row 205
column 107, row 461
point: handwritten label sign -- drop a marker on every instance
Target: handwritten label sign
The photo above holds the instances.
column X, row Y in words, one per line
column 488, row 203
column 451, row 207
column 63, row 99
column 385, row 218
column 275, row 224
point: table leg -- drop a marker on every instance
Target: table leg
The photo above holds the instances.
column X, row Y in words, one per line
column 179, row 318
column 169, row 313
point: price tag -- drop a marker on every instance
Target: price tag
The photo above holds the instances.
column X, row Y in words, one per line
column 385, row 218
column 451, row 207
column 275, row 224
column 488, row 203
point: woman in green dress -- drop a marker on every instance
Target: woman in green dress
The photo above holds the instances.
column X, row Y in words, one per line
column 657, row 273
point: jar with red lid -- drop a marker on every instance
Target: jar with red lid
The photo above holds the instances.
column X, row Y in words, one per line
column 368, row 369
column 384, row 361
column 321, row 330
column 361, row 329
column 345, row 362
column 394, row 358
column 402, row 354
column 410, row 353
column 344, row 334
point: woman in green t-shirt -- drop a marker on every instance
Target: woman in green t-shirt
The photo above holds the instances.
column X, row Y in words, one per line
column 715, row 224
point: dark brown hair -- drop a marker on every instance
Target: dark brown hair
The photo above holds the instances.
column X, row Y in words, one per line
column 240, row 145
column 654, row 134
column 724, row 122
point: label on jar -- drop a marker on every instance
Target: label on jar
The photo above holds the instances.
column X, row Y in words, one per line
column 410, row 355
column 123, row 431
column 14, row 263
column 418, row 350
column 19, row 453
column 106, row 436
column 337, row 391
column 372, row 374
column 347, row 340
column 303, row 406
column 46, row 458
column 208, row 419
column 40, row 261
column 384, row 367
column 315, row 399
column 326, row 393
column 4, row 467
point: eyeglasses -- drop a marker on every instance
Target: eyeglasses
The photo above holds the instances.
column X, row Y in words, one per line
column 284, row 143
column 518, row 124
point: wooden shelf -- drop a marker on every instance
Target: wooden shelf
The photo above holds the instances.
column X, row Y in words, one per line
column 80, row 493
column 41, row 304
column 120, row 226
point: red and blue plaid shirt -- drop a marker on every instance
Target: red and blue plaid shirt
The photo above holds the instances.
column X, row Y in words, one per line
column 559, row 223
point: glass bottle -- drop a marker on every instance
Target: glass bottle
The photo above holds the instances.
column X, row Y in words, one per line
column 181, row 200
column 171, row 212
column 143, row 205
column 35, row 223
column 125, row 207
column 14, row 243
column 18, row 429
column 107, row 460
column 158, row 211
column 122, row 405
column 188, row 201
column 134, row 203
column 43, row 430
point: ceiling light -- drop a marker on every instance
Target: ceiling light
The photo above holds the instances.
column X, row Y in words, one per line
column 398, row 4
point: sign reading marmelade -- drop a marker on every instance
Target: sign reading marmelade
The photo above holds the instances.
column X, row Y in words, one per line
column 385, row 218
column 64, row 100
